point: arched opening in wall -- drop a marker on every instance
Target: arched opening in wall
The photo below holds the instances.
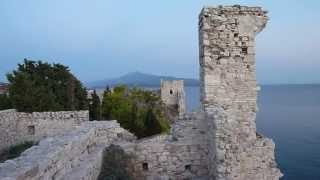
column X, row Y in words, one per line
column 187, row 167
column 145, row 166
column 171, row 91
column 244, row 50
column 31, row 130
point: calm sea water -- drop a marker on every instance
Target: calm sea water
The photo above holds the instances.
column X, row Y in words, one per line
column 290, row 115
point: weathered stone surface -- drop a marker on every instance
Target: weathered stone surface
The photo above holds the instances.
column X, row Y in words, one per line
column 182, row 154
column 173, row 95
column 17, row 127
column 72, row 156
column 229, row 93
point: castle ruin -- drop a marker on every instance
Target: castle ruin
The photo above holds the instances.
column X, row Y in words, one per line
column 229, row 93
column 173, row 95
column 219, row 142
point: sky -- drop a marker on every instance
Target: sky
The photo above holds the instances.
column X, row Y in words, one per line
column 102, row 39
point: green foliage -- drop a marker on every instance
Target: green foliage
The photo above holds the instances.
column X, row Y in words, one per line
column 95, row 107
column 5, row 102
column 114, row 164
column 137, row 110
column 106, row 105
column 15, row 151
column 38, row 86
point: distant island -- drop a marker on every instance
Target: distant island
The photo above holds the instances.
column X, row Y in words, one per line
column 139, row 79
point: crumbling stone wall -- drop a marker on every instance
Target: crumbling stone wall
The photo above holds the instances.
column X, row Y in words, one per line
column 229, row 93
column 173, row 95
column 17, row 127
column 182, row 154
column 72, row 156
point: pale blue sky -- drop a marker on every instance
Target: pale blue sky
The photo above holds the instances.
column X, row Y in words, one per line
column 101, row 39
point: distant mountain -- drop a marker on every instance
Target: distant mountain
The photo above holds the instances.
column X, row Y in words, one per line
column 139, row 79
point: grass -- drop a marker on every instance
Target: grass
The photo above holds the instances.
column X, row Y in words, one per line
column 15, row 150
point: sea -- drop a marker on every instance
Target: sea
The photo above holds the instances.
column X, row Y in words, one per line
column 290, row 115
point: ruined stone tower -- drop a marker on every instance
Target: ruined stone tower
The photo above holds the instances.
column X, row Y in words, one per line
column 229, row 93
column 173, row 95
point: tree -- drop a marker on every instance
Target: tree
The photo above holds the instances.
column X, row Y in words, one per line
column 5, row 102
column 38, row 86
column 95, row 107
column 139, row 111
column 152, row 123
column 106, row 105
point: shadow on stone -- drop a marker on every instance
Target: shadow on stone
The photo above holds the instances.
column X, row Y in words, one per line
column 114, row 164
column 15, row 150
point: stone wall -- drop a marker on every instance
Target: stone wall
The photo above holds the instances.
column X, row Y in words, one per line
column 229, row 93
column 72, row 156
column 17, row 127
column 77, row 154
column 181, row 154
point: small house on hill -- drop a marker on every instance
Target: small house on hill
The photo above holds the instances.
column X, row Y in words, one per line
column 4, row 87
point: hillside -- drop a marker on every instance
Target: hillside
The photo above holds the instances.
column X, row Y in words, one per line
column 139, row 79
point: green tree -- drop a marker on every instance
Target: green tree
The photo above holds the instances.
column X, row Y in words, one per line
column 39, row 86
column 152, row 123
column 5, row 102
column 95, row 107
column 106, row 104
column 137, row 110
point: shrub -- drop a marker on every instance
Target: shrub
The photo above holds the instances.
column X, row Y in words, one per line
column 94, row 107
column 5, row 102
column 137, row 110
column 15, row 151
column 114, row 164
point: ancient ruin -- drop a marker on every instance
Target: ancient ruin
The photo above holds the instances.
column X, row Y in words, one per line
column 173, row 95
column 229, row 93
column 219, row 142
column 17, row 127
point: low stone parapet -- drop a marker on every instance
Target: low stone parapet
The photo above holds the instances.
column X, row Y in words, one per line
column 17, row 127
column 64, row 156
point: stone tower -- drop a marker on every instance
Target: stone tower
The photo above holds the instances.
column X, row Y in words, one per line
column 173, row 95
column 229, row 93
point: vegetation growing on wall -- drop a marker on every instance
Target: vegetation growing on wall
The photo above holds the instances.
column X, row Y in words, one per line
column 15, row 151
column 137, row 110
column 94, row 107
column 5, row 102
column 39, row 86
column 114, row 164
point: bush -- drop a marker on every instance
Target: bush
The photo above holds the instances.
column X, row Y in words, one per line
column 114, row 164
column 15, row 151
column 137, row 110
column 94, row 107
column 5, row 102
